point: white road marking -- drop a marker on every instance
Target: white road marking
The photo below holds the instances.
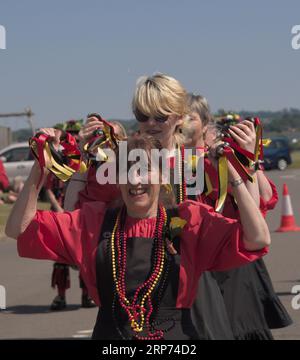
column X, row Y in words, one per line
column 82, row 334
column 85, row 331
column 79, row 336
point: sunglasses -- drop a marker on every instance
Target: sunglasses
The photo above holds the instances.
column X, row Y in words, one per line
column 144, row 118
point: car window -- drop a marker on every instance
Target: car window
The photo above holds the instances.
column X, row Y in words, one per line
column 280, row 144
column 18, row 154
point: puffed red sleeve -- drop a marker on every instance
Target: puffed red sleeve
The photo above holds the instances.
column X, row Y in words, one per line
column 271, row 203
column 53, row 236
column 217, row 240
column 63, row 237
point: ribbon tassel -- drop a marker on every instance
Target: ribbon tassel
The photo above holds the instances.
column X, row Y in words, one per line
column 62, row 163
column 222, row 183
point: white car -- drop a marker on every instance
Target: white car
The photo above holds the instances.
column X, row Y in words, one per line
column 17, row 160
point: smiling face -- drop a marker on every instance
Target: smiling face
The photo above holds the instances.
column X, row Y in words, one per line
column 141, row 200
column 139, row 194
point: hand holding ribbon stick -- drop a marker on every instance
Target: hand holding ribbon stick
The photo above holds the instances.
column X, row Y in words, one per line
column 96, row 135
column 244, row 134
column 58, row 152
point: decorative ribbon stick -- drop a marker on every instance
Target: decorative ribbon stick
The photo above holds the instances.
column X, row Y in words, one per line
column 243, row 161
column 104, row 137
column 64, row 161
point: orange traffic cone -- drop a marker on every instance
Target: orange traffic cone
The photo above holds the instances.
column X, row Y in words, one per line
column 288, row 222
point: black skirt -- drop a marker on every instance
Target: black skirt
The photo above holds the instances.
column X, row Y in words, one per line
column 275, row 313
column 209, row 313
column 251, row 302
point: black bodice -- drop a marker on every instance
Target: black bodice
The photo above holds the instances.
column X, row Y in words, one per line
column 112, row 321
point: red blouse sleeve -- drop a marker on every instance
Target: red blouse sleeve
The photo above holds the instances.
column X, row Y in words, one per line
column 218, row 243
column 53, row 236
column 271, row 203
column 62, row 237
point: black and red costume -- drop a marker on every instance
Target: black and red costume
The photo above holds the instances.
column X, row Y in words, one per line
column 208, row 242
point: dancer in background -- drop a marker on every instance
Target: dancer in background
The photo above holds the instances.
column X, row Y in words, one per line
column 160, row 106
column 9, row 194
column 84, row 187
column 252, row 304
column 55, row 190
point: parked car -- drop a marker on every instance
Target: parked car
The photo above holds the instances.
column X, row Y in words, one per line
column 277, row 154
column 17, row 160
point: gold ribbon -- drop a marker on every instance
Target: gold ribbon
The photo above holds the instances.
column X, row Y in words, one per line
column 223, row 182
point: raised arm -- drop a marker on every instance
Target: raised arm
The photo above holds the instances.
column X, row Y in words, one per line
column 265, row 189
column 25, row 207
column 244, row 134
column 53, row 201
column 255, row 228
column 218, row 243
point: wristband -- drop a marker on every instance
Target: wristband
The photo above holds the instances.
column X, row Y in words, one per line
column 237, row 182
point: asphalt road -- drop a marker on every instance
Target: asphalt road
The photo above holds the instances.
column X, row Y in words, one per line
column 28, row 291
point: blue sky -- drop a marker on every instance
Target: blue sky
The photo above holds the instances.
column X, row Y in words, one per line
column 68, row 58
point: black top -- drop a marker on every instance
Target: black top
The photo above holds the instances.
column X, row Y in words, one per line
column 112, row 321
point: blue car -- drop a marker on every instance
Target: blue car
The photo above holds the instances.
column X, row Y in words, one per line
column 277, row 154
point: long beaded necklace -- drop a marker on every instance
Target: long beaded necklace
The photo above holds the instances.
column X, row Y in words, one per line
column 140, row 308
column 181, row 187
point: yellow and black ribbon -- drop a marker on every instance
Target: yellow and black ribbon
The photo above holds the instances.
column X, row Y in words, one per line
column 103, row 138
column 62, row 162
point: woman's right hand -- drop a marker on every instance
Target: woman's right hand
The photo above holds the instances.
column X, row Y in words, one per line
column 55, row 135
column 87, row 130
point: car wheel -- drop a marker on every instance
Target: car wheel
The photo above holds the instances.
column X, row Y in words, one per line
column 282, row 164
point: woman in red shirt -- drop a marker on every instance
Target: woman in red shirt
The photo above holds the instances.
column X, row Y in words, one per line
column 85, row 187
column 252, row 305
column 160, row 285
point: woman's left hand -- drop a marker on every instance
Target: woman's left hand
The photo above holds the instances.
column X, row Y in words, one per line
column 244, row 134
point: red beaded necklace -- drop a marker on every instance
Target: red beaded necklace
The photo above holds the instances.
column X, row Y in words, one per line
column 140, row 307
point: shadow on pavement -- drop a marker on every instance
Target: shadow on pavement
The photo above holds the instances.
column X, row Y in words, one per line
column 37, row 309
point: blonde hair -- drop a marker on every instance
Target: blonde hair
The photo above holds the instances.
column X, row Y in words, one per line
column 158, row 95
column 161, row 95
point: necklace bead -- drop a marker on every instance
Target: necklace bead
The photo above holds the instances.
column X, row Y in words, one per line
column 138, row 314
